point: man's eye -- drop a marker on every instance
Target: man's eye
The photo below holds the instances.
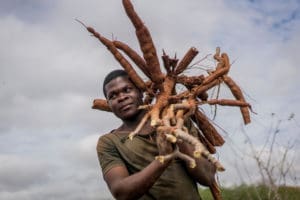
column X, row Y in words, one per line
column 127, row 90
column 112, row 96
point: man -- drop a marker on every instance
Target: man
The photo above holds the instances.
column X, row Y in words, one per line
column 129, row 166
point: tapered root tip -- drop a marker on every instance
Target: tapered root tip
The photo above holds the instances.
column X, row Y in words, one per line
column 131, row 135
column 220, row 168
column 192, row 164
column 171, row 138
column 155, row 123
column 161, row 159
column 80, row 22
column 197, row 154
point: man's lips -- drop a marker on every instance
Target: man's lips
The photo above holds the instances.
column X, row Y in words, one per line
column 125, row 107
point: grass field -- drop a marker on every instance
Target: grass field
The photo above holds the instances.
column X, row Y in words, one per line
column 253, row 193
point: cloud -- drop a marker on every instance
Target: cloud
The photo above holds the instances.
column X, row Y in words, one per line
column 18, row 172
column 51, row 69
column 60, row 169
column 83, row 151
column 30, row 11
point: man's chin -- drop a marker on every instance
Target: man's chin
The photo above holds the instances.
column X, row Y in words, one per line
column 127, row 115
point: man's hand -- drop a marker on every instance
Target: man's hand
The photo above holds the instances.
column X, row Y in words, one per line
column 164, row 146
column 204, row 172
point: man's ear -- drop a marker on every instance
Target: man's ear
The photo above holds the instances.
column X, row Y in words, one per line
column 108, row 103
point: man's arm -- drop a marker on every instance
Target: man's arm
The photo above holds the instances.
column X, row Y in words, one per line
column 204, row 172
column 125, row 186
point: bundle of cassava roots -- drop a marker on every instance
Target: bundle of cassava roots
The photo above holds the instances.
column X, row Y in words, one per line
column 167, row 108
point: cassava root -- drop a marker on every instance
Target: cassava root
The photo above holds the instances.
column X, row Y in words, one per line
column 167, row 109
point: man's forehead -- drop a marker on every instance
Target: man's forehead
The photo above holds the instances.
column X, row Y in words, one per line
column 119, row 79
column 119, row 82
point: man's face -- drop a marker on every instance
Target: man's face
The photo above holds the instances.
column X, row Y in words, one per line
column 123, row 98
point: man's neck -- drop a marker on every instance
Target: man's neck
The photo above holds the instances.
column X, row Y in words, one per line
column 131, row 124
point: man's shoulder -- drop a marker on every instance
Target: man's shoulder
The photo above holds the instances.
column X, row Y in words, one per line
column 110, row 138
column 106, row 136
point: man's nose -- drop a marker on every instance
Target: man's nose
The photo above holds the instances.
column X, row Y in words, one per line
column 122, row 96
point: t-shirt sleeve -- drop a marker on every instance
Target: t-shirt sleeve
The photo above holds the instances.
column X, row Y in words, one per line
column 108, row 154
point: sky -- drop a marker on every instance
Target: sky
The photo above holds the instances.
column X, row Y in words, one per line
column 51, row 70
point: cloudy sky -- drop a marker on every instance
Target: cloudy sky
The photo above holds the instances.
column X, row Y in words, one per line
column 51, row 69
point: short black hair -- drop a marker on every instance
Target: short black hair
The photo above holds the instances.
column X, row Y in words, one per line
column 112, row 75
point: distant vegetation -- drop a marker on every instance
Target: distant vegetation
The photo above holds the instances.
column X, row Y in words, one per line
column 274, row 165
column 254, row 193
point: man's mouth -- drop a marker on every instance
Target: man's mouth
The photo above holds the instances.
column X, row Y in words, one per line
column 125, row 107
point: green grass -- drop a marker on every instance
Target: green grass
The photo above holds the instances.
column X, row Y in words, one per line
column 253, row 193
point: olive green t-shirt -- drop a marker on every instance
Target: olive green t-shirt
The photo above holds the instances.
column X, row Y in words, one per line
column 116, row 149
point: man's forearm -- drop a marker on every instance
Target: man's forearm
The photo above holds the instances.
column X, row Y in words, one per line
column 204, row 172
column 136, row 185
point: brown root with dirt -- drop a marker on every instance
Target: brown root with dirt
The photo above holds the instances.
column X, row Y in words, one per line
column 168, row 109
